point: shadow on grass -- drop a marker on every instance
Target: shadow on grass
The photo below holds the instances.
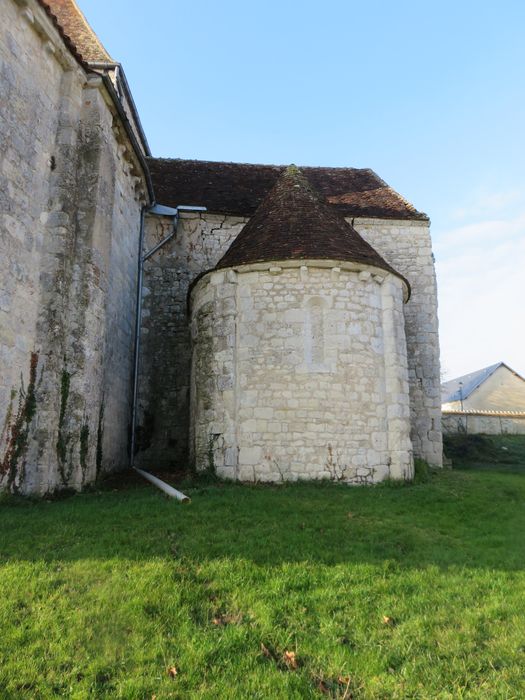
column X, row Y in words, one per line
column 458, row 518
column 496, row 453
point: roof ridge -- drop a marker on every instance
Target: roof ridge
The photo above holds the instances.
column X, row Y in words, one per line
column 462, row 387
column 492, row 367
column 264, row 165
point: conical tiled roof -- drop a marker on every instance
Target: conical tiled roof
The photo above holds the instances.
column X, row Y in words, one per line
column 292, row 223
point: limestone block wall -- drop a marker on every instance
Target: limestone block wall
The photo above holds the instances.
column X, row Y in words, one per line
column 299, row 371
column 30, row 97
column 72, row 196
column 200, row 243
column 407, row 246
column 164, row 389
column 122, row 227
column 494, row 423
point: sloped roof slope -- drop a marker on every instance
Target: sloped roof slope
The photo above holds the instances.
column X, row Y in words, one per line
column 292, row 223
column 452, row 391
column 77, row 29
column 239, row 188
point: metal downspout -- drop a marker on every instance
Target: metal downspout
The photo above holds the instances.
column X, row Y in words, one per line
column 138, row 323
column 142, row 257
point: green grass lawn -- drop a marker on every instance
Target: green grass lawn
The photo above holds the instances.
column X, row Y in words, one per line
column 303, row 591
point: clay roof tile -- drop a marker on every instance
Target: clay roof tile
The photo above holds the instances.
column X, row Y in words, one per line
column 81, row 38
column 292, row 223
column 239, row 188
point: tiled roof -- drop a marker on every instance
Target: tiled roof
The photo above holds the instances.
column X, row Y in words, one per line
column 239, row 188
column 80, row 37
column 292, row 223
column 46, row 6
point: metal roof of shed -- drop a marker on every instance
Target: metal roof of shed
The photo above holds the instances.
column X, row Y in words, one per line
column 462, row 387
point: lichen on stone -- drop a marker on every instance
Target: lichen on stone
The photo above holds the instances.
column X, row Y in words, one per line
column 16, row 429
column 62, row 437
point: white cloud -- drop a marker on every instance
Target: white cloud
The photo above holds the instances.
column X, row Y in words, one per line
column 481, row 279
column 491, row 231
column 488, row 203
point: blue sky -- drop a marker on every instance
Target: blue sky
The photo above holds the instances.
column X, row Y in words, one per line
column 428, row 94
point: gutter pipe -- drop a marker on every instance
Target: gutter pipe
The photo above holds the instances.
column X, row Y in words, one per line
column 163, row 486
column 142, row 257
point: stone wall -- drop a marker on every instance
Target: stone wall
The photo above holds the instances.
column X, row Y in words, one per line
column 164, row 388
column 471, row 423
column 70, row 221
column 299, row 372
column 200, row 243
column 30, row 87
column 408, row 248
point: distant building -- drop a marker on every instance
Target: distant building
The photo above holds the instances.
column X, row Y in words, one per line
column 494, row 388
column 490, row 401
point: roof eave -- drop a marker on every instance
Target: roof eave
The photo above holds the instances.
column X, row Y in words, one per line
column 121, row 77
